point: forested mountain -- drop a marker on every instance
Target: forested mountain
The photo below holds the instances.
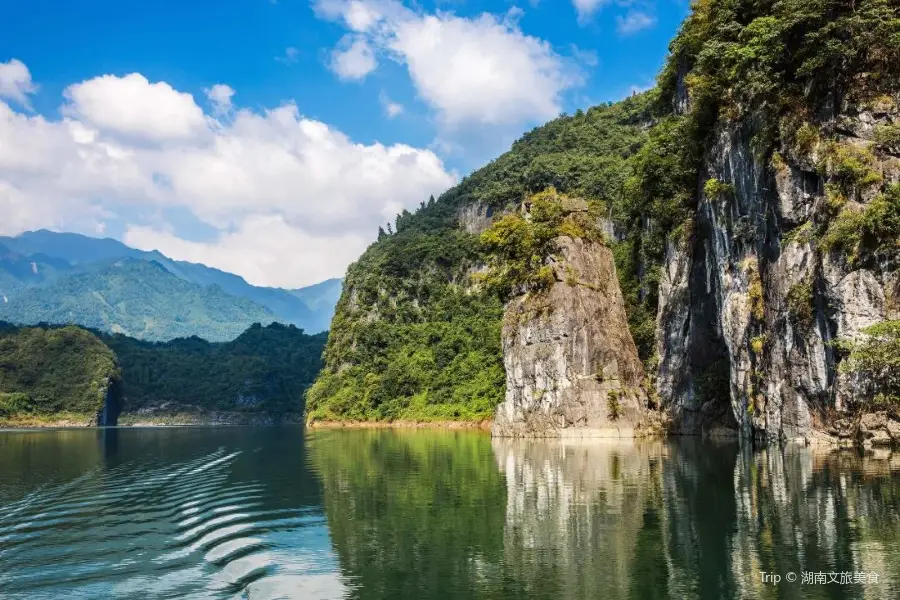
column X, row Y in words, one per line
column 751, row 201
column 56, row 371
column 52, row 374
column 265, row 370
column 42, row 258
column 412, row 338
column 137, row 298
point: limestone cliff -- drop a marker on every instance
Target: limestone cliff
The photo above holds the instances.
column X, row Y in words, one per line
column 757, row 297
column 572, row 368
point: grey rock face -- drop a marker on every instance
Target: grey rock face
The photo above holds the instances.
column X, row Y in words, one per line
column 475, row 218
column 572, row 369
column 729, row 298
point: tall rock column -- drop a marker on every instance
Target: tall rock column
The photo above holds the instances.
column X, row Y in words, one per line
column 572, row 368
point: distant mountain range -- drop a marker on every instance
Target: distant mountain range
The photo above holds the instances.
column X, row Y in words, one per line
column 104, row 284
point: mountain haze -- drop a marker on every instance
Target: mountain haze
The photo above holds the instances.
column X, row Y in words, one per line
column 140, row 299
column 40, row 270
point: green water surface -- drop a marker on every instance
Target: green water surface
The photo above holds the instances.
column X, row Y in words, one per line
column 276, row 512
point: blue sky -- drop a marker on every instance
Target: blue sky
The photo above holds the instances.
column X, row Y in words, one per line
column 310, row 95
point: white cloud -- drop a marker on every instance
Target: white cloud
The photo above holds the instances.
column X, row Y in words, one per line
column 587, row 8
column 15, row 82
column 473, row 71
column 132, row 107
column 588, row 57
column 260, row 246
column 360, row 16
column 293, row 200
column 289, row 57
column 220, row 97
column 354, row 59
column 391, row 109
column 633, row 22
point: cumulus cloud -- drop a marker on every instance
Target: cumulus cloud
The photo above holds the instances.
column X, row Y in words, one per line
column 289, row 57
column 587, row 8
column 292, row 199
column 133, row 107
column 15, row 82
column 391, row 109
column 354, row 59
column 220, row 96
column 260, row 246
column 634, row 21
column 481, row 71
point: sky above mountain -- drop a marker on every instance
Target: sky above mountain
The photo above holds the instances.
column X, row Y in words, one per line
column 271, row 138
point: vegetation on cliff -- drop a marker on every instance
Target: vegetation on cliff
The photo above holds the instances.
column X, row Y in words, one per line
column 413, row 337
column 519, row 244
column 783, row 70
column 874, row 363
column 45, row 371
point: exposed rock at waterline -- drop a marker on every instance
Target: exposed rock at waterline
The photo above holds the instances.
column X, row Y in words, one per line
column 572, row 368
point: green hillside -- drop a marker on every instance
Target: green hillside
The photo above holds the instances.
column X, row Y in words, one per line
column 52, row 374
column 414, row 337
column 136, row 298
column 264, row 370
column 56, row 371
column 411, row 338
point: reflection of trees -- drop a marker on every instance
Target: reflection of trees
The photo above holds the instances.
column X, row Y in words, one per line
column 31, row 460
column 412, row 514
column 427, row 515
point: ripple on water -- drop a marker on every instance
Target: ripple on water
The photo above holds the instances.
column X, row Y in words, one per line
column 180, row 530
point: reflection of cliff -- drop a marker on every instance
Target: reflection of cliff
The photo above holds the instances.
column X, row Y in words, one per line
column 801, row 510
column 691, row 520
column 412, row 514
column 699, row 514
column 583, row 517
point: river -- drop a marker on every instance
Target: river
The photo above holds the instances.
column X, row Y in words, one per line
column 277, row 512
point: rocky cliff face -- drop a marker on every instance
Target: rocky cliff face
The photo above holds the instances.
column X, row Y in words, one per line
column 572, row 368
column 108, row 415
column 751, row 302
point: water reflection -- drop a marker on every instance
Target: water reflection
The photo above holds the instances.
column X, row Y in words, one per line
column 413, row 514
column 426, row 515
column 684, row 519
column 582, row 517
column 166, row 513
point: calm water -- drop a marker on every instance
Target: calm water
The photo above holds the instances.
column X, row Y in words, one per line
column 273, row 513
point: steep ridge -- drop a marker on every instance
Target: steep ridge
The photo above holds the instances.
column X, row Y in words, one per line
column 572, row 367
column 752, row 205
column 791, row 254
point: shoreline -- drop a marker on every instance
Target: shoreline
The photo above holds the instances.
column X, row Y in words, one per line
column 484, row 425
column 76, row 421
